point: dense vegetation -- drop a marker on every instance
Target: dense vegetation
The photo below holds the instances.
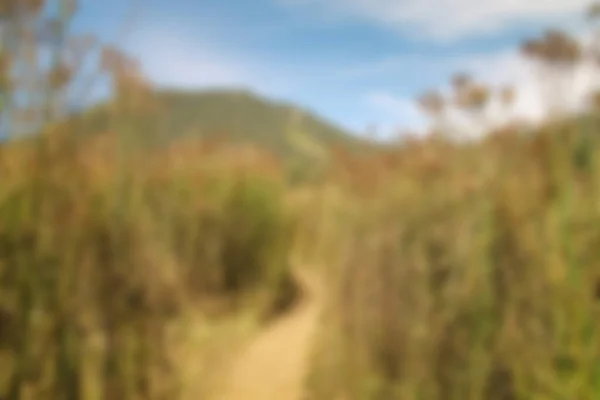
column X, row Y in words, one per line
column 468, row 283
column 470, row 270
column 454, row 270
column 106, row 245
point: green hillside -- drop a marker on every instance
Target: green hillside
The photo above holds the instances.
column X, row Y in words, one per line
column 240, row 116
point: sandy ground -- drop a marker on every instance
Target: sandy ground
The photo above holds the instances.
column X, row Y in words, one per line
column 274, row 364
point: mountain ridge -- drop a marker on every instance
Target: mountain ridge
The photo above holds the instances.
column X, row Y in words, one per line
column 287, row 129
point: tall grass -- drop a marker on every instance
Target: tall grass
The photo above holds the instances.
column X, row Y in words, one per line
column 226, row 219
column 454, row 271
column 472, row 274
column 105, row 243
column 86, row 287
column 98, row 260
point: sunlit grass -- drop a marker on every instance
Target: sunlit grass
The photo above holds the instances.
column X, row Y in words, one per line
column 452, row 270
column 471, row 275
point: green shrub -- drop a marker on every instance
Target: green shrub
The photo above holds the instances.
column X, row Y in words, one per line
column 86, row 294
column 231, row 234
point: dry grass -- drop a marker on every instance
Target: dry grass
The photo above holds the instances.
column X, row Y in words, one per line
column 99, row 262
column 452, row 271
column 108, row 246
column 471, row 274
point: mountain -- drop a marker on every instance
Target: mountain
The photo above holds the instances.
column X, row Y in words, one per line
column 241, row 116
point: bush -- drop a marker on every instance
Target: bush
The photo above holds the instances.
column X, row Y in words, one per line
column 474, row 283
column 86, row 292
column 229, row 230
column 97, row 260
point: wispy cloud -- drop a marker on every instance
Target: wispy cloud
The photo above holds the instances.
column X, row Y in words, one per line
column 447, row 19
column 186, row 62
column 396, row 113
column 533, row 89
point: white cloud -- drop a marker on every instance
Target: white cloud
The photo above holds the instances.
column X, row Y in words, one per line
column 509, row 68
column 535, row 91
column 448, row 19
column 182, row 61
column 170, row 61
column 395, row 113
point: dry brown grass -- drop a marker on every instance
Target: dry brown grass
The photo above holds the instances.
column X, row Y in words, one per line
column 471, row 275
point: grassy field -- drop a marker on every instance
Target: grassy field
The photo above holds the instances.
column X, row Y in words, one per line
column 470, row 273
column 451, row 270
column 97, row 262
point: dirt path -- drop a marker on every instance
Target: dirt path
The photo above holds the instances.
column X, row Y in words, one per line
column 274, row 365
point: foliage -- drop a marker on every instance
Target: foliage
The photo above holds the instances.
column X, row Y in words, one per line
column 105, row 244
column 470, row 273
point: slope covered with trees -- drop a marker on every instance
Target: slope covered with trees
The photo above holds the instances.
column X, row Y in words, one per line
column 239, row 116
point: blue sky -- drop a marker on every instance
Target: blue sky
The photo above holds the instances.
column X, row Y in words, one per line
column 356, row 62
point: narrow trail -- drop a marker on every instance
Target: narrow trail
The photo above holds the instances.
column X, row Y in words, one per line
column 274, row 364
